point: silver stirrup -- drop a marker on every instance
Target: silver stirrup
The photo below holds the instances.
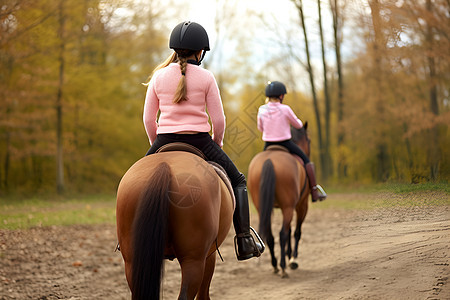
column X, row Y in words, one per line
column 321, row 190
column 259, row 239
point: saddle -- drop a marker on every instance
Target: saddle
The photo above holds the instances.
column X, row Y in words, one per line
column 277, row 147
column 284, row 149
column 220, row 171
column 178, row 146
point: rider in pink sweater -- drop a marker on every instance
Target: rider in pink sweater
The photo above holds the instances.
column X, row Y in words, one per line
column 184, row 94
column 274, row 121
column 189, row 115
column 281, row 129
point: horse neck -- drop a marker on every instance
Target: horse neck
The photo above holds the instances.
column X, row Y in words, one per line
column 303, row 144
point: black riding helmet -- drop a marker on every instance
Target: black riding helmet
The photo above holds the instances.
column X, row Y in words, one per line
column 275, row 89
column 189, row 36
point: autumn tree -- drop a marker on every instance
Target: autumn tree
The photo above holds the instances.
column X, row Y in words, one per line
column 390, row 85
column 73, row 86
column 337, row 9
column 26, row 105
column 328, row 163
column 428, row 29
column 309, row 69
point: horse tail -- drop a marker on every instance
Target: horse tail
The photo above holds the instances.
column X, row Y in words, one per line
column 150, row 229
column 267, row 198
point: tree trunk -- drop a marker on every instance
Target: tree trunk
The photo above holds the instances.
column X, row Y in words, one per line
column 337, row 34
column 59, row 113
column 329, row 164
column 299, row 5
column 433, row 151
column 382, row 153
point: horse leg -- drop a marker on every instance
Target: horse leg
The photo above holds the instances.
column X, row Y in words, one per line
column 289, row 246
column 284, row 236
column 124, row 238
column 301, row 210
column 127, row 258
column 128, row 271
column 293, row 263
column 271, row 244
column 203, row 293
column 191, row 277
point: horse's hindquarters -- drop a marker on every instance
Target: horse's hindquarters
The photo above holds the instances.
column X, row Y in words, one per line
column 198, row 217
column 198, row 198
column 276, row 179
column 288, row 173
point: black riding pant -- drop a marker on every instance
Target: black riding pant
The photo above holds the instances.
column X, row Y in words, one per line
column 292, row 147
column 210, row 149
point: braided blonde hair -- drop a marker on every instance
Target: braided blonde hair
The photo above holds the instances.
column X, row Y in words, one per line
column 180, row 94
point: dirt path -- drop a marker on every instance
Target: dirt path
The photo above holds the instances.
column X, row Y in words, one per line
column 395, row 253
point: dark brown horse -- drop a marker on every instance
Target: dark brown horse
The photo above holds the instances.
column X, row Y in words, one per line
column 277, row 179
column 172, row 205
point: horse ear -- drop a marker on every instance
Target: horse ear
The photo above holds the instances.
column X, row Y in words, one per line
column 305, row 125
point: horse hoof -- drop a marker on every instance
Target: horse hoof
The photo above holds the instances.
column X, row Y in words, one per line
column 284, row 275
column 276, row 270
column 293, row 264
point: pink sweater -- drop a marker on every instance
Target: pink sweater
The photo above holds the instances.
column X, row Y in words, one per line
column 190, row 115
column 274, row 119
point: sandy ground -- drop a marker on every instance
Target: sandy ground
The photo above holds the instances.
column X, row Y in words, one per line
column 394, row 253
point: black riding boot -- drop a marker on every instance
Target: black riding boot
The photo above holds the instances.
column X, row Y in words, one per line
column 246, row 245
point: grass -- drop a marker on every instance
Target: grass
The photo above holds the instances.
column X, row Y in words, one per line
column 386, row 195
column 23, row 213
column 398, row 188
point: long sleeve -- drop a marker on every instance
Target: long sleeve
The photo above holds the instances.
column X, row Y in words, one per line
column 203, row 103
column 151, row 107
column 274, row 121
column 215, row 111
column 260, row 121
column 293, row 120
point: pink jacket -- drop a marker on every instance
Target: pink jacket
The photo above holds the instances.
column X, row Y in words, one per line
column 274, row 120
column 190, row 115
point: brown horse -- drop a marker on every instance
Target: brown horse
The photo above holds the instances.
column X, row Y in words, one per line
column 171, row 205
column 277, row 179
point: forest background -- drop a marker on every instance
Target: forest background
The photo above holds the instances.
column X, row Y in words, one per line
column 371, row 77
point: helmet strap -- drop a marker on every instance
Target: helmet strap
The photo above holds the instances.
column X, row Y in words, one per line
column 193, row 62
column 201, row 58
column 196, row 61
